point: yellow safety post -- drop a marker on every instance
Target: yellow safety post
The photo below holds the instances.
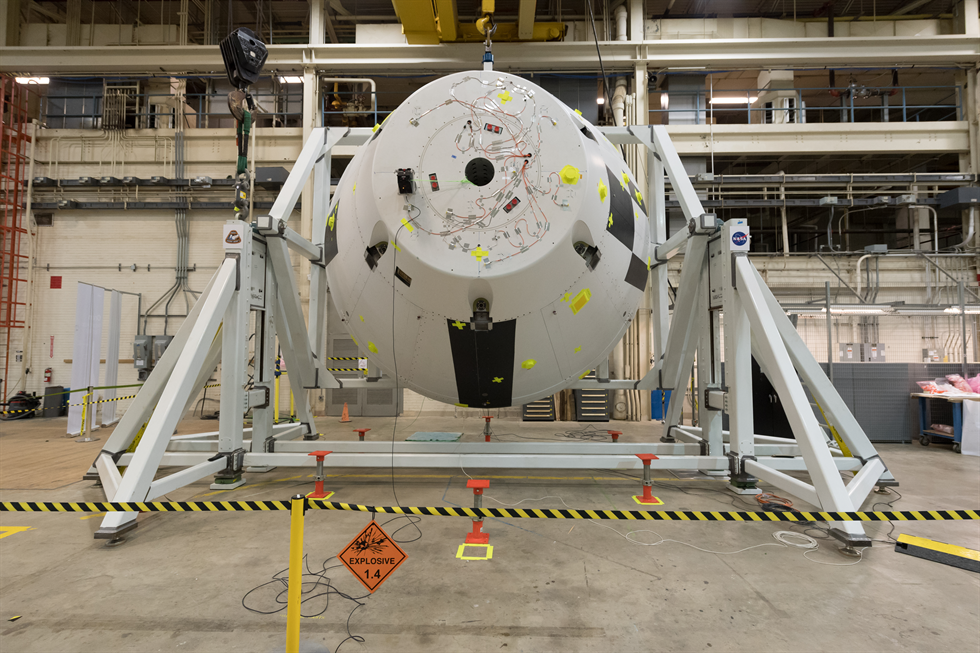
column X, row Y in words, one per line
column 295, row 591
column 84, row 410
column 275, row 410
column 292, row 406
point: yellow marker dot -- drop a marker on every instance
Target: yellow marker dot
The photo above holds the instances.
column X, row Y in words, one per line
column 408, row 225
column 580, row 300
column 505, row 97
column 463, row 405
column 373, row 348
column 362, row 317
column 330, row 222
column 639, row 198
column 648, row 263
column 636, row 216
column 354, row 189
column 376, row 127
column 578, row 349
column 570, row 175
column 529, row 363
column 603, row 191
column 354, row 341
column 610, row 219
column 625, row 182
column 498, row 379
column 459, row 325
column 479, row 253
column 578, row 112
column 566, row 297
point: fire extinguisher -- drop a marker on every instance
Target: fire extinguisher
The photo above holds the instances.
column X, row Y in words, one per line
column 47, row 374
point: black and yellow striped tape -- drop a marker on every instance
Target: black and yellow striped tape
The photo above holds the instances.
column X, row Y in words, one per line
column 346, row 358
column 100, row 401
column 140, row 506
column 506, row 513
column 40, row 409
column 346, row 369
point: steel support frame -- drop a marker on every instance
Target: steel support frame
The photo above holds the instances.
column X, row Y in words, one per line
column 225, row 308
column 754, row 324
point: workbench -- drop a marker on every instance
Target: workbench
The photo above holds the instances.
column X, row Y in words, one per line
column 926, row 434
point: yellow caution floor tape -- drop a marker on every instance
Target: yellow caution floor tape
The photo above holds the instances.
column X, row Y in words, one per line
column 506, row 513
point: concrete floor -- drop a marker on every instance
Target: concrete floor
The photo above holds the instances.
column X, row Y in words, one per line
column 178, row 581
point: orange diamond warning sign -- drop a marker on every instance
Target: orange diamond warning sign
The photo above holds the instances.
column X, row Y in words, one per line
column 372, row 556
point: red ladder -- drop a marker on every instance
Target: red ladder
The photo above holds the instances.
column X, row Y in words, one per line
column 14, row 138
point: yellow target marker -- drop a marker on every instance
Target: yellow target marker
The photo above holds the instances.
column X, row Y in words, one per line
column 580, row 300
column 372, row 347
column 603, row 191
column 529, row 363
column 570, row 175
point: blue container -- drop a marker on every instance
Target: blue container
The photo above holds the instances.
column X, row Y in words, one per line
column 659, row 402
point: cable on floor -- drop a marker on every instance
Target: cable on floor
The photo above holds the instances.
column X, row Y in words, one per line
column 321, row 587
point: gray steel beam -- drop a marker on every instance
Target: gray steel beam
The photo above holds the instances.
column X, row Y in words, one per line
column 621, row 56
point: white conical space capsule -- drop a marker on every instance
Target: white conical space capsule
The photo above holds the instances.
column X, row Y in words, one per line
column 488, row 246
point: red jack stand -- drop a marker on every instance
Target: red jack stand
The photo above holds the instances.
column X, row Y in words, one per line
column 615, row 435
column 647, row 499
column 486, row 429
column 360, row 433
column 318, row 492
column 478, row 486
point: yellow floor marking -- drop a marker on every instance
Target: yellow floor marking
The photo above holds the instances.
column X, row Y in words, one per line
column 91, row 516
column 10, row 530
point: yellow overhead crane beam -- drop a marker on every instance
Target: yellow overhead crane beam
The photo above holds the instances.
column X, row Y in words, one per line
column 423, row 26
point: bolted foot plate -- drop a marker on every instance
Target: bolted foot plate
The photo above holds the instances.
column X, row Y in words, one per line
column 228, row 486
column 744, row 490
column 850, row 541
column 115, row 533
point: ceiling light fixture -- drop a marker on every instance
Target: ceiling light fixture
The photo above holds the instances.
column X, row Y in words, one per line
column 32, row 80
column 732, row 100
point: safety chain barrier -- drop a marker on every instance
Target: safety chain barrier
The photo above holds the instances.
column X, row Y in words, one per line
column 507, row 513
column 84, row 403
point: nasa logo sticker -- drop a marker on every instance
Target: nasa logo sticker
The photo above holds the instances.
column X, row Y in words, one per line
column 233, row 237
column 739, row 239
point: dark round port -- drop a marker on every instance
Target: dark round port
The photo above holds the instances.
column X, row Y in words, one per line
column 479, row 172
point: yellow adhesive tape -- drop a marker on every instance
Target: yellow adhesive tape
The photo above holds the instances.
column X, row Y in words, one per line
column 488, row 549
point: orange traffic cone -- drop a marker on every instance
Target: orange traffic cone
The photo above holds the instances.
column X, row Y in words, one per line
column 344, row 417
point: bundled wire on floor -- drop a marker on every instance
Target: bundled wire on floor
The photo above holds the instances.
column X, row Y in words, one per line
column 322, row 587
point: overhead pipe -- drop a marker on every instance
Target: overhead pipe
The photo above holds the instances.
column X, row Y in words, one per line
column 621, row 13
column 969, row 235
column 357, row 80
